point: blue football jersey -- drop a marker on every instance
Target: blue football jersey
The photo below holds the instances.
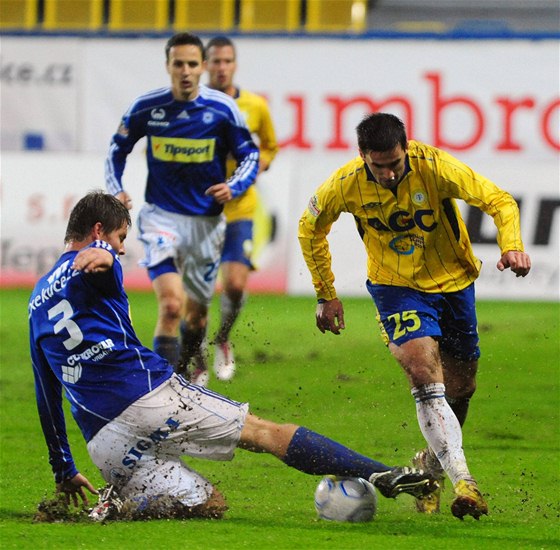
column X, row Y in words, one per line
column 188, row 143
column 82, row 341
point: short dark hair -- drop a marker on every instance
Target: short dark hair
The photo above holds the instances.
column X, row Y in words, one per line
column 181, row 39
column 381, row 132
column 96, row 206
column 220, row 42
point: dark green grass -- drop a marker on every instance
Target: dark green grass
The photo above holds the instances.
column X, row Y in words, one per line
column 347, row 387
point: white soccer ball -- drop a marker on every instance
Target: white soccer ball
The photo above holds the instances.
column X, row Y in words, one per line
column 345, row 499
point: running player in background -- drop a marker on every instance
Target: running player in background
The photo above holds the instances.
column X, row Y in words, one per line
column 237, row 259
column 191, row 131
column 421, row 272
column 137, row 415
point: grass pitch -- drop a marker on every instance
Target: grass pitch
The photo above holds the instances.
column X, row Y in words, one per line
column 347, row 387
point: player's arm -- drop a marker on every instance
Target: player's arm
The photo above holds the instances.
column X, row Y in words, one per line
column 48, row 392
column 480, row 192
column 101, row 267
column 128, row 133
column 243, row 177
column 244, row 151
column 96, row 258
column 314, row 226
column 267, row 138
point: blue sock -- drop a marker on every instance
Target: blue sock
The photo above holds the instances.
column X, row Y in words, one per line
column 168, row 348
column 315, row 454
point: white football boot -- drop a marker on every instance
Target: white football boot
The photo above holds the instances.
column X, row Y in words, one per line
column 224, row 361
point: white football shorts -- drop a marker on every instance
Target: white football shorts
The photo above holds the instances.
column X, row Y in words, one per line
column 194, row 243
column 139, row 451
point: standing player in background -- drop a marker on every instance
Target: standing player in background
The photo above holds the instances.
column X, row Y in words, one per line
column 137, row 416
column 191, row 131
column 421, row 272
column 237, row 260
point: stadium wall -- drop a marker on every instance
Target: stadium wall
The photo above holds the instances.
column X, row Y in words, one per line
column 494, row 104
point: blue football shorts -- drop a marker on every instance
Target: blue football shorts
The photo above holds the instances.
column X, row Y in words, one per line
column 450, row 317
column 238, row 246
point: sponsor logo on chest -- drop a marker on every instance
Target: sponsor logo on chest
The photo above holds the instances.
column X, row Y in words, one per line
column 182, row 150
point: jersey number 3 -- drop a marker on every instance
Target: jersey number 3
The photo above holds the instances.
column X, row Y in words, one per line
column 75, row 334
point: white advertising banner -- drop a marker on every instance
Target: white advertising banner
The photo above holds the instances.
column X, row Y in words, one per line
column 40, row 83
column 38, row 192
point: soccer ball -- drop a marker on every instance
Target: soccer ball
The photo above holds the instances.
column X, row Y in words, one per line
column 345, row 499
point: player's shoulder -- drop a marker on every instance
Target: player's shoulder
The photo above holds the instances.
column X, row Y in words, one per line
column 345, row 177
column 47, row 284
column 153, row 99
column 424, row 157
column 221, row 103
column 423, row 151
column 251, row 97
column 216, row 98
column 351, row 171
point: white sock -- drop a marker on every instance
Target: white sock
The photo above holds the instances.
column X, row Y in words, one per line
column 441, row 429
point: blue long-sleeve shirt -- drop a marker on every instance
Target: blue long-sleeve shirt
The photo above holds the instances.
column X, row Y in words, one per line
column 188, row 143
column 82, row 341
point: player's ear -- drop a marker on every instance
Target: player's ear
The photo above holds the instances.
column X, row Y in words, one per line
column 97, row 231
column 362, row 154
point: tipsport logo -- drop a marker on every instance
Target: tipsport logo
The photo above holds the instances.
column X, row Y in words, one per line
column 182, row 150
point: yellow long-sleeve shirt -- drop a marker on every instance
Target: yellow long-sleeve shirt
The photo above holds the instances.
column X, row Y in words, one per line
column 414, row 236
column 257, row 115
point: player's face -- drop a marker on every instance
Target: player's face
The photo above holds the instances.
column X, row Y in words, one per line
column 185, row 66
column 387, row 167
column 116, row 238
column 221, row 67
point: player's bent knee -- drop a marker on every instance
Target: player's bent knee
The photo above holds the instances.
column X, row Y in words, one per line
column 465, row 392
column 264, row 436
column 171, row 308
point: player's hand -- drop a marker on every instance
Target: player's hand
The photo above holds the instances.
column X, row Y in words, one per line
column 263, row 165
column 93, row 260
column 74, row 488
column 518, row 262
column 330, row 316
column 221, row 192
column 125, row 198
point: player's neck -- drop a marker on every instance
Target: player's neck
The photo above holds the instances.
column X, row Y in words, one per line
column 75, row 246
column 179, row 96
column 232, row 91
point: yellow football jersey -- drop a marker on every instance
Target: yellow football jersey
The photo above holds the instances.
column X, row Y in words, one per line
column 257, row 115
column 414, row 235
